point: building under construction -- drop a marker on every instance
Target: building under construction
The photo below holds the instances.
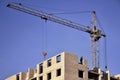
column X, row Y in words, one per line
column 64, row 66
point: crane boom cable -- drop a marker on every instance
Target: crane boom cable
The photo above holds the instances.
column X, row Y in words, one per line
column 42, row 7
column 73, row 12
column 105, row 52
column 65, row 11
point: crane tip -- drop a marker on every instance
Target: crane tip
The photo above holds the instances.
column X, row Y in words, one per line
column 8, row 5
column 93, row 12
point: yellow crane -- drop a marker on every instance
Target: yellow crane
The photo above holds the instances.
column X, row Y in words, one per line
column 94, row 32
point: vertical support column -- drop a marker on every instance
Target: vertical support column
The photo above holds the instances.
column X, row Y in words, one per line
column 108, row 74
column 100, row 74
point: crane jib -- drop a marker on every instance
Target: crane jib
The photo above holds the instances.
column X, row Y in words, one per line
column 45, row 16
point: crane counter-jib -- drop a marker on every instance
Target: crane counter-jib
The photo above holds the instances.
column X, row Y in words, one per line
column 45, row 16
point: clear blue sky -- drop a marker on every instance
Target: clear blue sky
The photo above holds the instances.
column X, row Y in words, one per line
column 23, row 37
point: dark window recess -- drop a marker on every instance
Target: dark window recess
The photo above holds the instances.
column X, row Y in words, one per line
column 59, row 58
column 49, row 62
column 41, row 78
column 41, row 68
column 48, row 76
column 18, row 77
column 34, row 79
column 58, row 72
column 80, row 73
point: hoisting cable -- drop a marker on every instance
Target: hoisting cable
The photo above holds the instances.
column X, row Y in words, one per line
column 68, row 12
column 44, row 40
column 105, row 43
column 105, row 52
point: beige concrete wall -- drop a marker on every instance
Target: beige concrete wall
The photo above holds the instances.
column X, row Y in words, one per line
column 11, row 78
column 22, row 76
column 69, row 69
column 72, row 67
column 117, row 76
column 52, row 68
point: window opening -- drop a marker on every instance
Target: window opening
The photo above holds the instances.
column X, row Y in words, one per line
column 59, row 58
column 49, row 62
column 49, row 76
column 58, row 72
column 41, row 68
column 41, row 78
column 18, row 77
column 80, row 73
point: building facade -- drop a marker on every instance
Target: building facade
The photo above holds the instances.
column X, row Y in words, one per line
column 64, row 66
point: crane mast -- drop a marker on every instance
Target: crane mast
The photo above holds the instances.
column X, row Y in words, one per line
column 95, row 33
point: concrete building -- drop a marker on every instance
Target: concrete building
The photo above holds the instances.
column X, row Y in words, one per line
column 64, row 66
column 117, row 76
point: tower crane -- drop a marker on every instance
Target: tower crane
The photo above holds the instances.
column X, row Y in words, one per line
column 94, row 32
